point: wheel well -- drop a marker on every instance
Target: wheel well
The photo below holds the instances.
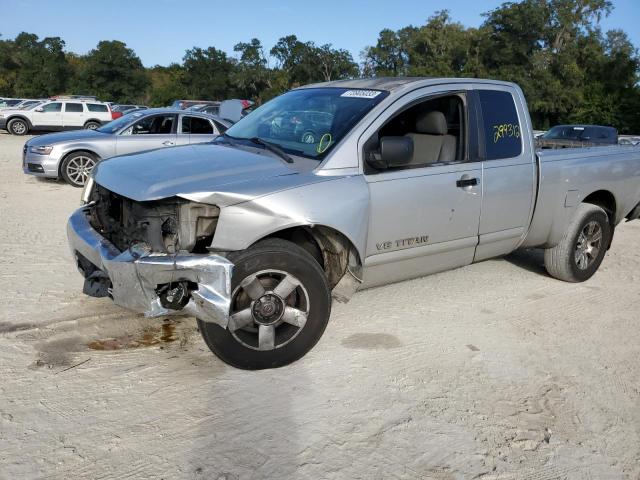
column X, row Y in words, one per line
column 93, row 120
column 332, row 250
column 605, row 200
column 24, row 119
column 71, row 153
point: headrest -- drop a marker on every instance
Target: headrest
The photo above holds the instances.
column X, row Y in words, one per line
column 431, row 123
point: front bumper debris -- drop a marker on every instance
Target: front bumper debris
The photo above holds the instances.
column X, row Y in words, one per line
column 136, row 275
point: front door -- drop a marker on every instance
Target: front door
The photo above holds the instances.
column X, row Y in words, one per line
column 49, row 115
column 424, row 217
column 148, row 133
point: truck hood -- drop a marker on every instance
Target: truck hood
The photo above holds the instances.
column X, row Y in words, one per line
column 70, row 136
column 207, row 173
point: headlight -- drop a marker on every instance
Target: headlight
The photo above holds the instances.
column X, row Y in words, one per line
column 43, row 150
column 86, row 191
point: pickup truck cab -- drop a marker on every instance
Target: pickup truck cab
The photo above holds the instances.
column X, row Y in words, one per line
column 335, row 187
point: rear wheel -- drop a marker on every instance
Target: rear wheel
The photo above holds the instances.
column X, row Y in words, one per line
column 17, row 126
column 91, row 125
column 280, row 306
column 76, row 168
column 581, row 251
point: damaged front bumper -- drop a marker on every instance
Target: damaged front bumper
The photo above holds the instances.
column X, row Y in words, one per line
column 134, row 278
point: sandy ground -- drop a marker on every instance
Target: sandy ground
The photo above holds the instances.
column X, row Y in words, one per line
column 494, row 371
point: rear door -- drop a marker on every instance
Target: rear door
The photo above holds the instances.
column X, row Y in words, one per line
column 148, row 133
column 50, row 117
column 73, row 115
column 508, row 170
column 197, row 129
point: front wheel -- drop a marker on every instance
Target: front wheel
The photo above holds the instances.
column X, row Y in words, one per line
column 583, row 247
column 280, row 306
column 18, row 127
column 77, row 167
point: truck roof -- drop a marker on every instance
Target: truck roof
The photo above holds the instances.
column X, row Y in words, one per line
column 396, row 83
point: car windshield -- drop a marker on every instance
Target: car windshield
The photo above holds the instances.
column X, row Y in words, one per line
column 123, row 121
column 309, row 121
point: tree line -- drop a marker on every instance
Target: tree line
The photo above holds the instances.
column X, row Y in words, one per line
column 570, row 70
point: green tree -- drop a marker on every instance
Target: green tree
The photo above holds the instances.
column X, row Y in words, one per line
column 207, row 74
column 40, row 66
column 112, row 71
column 166, row 85
column 251, row 75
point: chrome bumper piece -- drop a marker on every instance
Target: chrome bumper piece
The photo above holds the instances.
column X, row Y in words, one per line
column 135, row 274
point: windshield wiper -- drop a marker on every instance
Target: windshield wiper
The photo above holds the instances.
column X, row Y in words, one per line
column 272, row 148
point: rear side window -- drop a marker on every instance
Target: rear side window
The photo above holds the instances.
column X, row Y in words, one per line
column 221, row 128
column 96, row 107
column 502, row 130
column 196, row 125
column 73, row 107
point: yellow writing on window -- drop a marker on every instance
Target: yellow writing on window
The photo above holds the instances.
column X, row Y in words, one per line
column 505, row 130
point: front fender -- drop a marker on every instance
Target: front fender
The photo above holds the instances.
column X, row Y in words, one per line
column 341, row 204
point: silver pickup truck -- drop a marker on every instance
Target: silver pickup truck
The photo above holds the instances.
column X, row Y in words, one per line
column 336, row 187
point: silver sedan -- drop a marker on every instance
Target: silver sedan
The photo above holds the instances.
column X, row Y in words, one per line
column 72, row 155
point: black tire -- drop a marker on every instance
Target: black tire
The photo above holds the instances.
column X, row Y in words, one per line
column 18, row 126
column 91, row 125
column 284, row 257
column 569, row 260
column 76, row 168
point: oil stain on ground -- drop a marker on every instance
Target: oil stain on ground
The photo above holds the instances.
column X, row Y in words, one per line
column 371, row 341
column 147, row 338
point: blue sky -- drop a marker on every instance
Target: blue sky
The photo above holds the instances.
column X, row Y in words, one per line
column 161, row 30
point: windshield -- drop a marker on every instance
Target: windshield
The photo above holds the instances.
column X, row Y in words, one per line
column 123, row 121
column 309, row 121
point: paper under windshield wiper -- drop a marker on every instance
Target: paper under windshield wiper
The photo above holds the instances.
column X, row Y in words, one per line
column 272, row 148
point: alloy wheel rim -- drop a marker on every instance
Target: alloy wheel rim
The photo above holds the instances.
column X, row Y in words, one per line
column 79, row 168
column 19, row 127
column 588, row 245
column 268, row 310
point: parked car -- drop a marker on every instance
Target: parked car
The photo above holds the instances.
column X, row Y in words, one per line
column 253, row 233
column 10, row 102
column 119, row 109
column 54, row 115
column 29, row 104
column 571, row 136
column 629, row 141
column 182, row 104
column 73, row 155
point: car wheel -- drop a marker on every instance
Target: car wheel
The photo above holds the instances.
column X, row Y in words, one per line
column 91, row 126
column 280, row 306
column 308, row 137
column 583, row 247
column 76, row 168
column 18, row 126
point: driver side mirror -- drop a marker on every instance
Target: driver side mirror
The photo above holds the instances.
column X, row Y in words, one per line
column 394, row 152
column 39, row 109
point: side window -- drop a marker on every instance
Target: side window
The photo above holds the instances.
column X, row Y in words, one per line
column 196, row 125
column 437, row 128
column 52, row 107
column 96, row 107
column 502, row 131
column 152, row 125
column 73, row 107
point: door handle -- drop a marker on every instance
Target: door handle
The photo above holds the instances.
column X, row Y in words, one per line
column 168, row 143
column 466, row 182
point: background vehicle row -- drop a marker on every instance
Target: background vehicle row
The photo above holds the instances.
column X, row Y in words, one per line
column 72, row 155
